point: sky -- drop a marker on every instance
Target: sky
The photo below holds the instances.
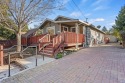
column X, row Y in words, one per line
column 98, row 12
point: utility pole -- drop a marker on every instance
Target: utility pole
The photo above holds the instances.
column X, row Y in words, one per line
column 86, row 20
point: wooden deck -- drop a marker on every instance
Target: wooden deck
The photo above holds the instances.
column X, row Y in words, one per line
column 72, row 44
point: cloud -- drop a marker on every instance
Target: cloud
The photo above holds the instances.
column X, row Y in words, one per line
column 96, row 20
column 100, row 8
column 75, row 14
column 97, row 2
column 88, row 14
column 112, row 23
column 65, row 1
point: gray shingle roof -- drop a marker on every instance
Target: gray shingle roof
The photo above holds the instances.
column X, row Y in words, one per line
column 30, row 32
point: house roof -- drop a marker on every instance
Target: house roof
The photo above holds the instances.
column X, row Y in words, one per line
column 68, row 21
column 68, row 18
column 45, row 21
column 30, row 32
column 93, row 27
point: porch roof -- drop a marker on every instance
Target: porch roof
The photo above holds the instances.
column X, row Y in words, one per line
column 72, row 22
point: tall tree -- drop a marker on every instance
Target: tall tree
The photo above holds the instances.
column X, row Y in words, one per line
column 120, row 24
column 99, row 26
column 104, row 29
column 23, row 12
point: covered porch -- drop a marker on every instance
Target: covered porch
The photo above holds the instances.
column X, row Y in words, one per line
column 74, row 32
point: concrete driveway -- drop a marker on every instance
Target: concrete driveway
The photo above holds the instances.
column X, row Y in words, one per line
column 101, row 64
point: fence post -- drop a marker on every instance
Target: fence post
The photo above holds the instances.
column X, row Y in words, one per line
column 1, row 54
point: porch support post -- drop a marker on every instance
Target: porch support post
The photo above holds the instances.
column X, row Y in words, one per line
column 84, row 32
column 60, row 27
column 76, row 26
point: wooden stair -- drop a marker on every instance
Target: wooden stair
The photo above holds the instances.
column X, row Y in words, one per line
column 48, row 50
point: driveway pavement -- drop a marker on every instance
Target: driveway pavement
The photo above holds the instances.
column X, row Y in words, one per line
column 101, row 64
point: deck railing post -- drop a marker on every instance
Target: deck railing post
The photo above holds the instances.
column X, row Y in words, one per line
column 53, row 42
column 1, row 55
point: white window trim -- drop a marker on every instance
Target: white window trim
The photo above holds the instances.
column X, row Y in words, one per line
column 72, row 28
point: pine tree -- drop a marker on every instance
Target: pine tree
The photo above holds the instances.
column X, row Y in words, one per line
column 104, row 29
column 120, row 24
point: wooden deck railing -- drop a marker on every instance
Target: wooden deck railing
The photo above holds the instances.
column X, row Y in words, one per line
column 81, row 38
column 45, row 39
column 58, row 43
column 71, row 37
column 58, row 39
column 35, row 39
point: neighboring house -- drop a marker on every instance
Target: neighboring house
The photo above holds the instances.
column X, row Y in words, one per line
column 94, row 36
column 112, row 39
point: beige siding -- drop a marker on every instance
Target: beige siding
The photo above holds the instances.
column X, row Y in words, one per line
column 53, row 25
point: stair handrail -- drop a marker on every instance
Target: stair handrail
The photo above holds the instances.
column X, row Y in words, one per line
column 58, row 45
column 28, row 47
column 8, row 49
column 47, row 35
column 44, row 46
column 61, row 39
column 10, row 53
column 42, row 41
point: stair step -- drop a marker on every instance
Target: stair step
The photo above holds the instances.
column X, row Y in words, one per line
column 48, row 54
column 48, row 50
column 50, row 46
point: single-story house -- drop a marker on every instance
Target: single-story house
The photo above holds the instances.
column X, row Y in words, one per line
column 92, row 34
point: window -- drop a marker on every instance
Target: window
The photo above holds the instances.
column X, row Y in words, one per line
column 73, row 29
column 65, row 28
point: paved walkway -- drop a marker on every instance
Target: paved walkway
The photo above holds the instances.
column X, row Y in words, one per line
column 28, row 63
column 104, row 64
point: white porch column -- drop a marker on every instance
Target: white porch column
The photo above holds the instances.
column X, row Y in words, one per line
column 77, row 31
column 59, row 28
column 84, row 32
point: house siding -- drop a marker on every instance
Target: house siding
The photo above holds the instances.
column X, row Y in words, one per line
column 51, row 25
column 96, row 37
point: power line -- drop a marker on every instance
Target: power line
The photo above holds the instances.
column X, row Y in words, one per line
column 80, row 10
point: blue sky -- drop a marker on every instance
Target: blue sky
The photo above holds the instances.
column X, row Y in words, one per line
column 98, row 12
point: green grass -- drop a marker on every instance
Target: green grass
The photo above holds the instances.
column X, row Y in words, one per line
column 59, row 55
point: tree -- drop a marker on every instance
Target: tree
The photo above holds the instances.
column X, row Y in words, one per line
column 104, row 29
column 23, row 12
column 99, row 26
column 115, row 32
column 6, row 34
column 120, row 24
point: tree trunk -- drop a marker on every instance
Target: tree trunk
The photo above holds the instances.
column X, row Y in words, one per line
column 19, row 41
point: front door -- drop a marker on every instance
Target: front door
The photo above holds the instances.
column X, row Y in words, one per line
column 51, row 31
